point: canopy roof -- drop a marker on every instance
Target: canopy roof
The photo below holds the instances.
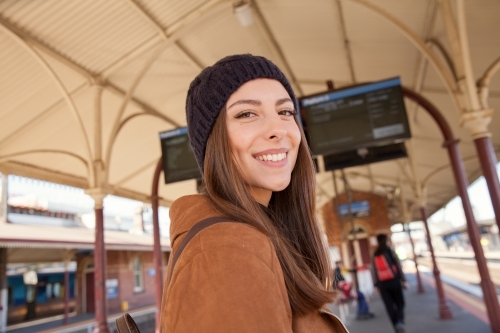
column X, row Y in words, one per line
column 55, row 55
column 41, row 243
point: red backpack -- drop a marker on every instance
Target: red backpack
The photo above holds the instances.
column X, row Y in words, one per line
column 384, row 271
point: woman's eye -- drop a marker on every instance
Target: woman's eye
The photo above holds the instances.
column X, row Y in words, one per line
column 287, row 113
column 245, row 114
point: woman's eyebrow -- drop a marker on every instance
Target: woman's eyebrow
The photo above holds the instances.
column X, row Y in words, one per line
column 283, row 101
column 246, row 101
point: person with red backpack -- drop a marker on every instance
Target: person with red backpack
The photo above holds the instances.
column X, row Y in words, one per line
column 390, row 281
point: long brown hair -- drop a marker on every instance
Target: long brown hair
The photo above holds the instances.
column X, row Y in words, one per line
column 289, row 221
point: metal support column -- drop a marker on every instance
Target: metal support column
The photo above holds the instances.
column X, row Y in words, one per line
column 477, row 117
column 420, row 286
column 67, row 255
column 3, row 199
column 157, row 245
column 353, row 228
column 98, row 192
column 406, row 226
column 444, row 309
column 489, row 290
column 488, row 161
column 101, row 302
column 3, row 290
column 66, row 294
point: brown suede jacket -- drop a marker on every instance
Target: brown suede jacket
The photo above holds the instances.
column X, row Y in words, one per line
column 228, row 279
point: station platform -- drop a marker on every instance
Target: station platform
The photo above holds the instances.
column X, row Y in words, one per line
column 421, row 312
column 84, row 323
column 422, row 316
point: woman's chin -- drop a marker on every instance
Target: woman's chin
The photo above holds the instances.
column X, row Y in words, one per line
column 279, row 186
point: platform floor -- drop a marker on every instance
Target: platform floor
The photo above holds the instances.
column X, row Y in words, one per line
column 422, row 312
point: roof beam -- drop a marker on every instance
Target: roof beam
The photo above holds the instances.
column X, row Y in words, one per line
column 418, row 42
column 41, row 45
column 182, row 27
column 421, row 68
column 88, row 74
column 274, row 46
column 39, row 117
column 347, row 44
column 62, row 89
column 163, row 34
column 178, row 29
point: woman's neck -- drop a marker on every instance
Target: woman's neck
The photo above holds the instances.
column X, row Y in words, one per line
column 261, row 195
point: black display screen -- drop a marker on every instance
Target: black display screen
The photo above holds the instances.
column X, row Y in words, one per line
column 179, row 162
column 351, row 118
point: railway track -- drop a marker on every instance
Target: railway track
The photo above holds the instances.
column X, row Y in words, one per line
column 463, row 269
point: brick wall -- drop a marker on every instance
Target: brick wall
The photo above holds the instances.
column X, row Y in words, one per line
column 377, row 222
column 120, row 266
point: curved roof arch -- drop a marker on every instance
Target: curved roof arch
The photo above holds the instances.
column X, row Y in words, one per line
column 144, row 54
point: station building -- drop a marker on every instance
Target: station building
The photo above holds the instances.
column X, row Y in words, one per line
column 370, row 218
column 52, row 241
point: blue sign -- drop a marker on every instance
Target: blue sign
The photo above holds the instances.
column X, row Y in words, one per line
column 351, row 92
column 358, row 209
column 112, row 288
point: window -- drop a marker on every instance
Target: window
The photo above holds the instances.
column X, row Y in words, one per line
column 57, row 290
column 48, row 290
column 138, row 280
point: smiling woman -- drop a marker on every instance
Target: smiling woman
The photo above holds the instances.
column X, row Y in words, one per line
column 263, row 135
column 266, row 268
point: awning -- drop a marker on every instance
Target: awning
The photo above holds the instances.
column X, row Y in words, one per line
column 34, row 243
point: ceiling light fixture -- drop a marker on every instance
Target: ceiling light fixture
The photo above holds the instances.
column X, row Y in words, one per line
column 243, row 12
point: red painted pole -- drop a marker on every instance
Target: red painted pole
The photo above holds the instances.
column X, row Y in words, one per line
column 420, row 286
column 156, row 244
column 66, row 293
column 4, row 305
column 444, row 309
column 488, row 161
column 101, row 304
column 489, row 291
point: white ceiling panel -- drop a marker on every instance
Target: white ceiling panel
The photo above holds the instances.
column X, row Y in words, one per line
column 80, row 40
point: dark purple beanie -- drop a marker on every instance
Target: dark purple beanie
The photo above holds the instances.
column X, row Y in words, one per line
column 210, row 90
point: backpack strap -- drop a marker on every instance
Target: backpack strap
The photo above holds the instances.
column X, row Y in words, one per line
column 125, row 324
column 193, row 232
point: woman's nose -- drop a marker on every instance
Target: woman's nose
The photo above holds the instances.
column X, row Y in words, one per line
column 275, row 128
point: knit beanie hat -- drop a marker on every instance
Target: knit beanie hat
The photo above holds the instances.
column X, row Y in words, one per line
column 210, row 90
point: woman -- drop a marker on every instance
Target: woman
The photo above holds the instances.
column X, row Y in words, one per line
column 267, row 271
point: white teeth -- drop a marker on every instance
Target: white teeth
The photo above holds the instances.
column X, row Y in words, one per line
column 272, row 157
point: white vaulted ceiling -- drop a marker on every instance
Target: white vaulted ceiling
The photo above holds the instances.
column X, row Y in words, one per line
column 154, row 48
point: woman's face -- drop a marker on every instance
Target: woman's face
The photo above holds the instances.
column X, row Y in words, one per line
column 263, row 136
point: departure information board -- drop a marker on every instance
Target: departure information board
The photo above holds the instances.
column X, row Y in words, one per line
column 179, row 162
column 361, row 116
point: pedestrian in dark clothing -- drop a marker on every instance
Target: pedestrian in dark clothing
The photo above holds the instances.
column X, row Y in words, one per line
column 337, row 275
column 389, row 281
